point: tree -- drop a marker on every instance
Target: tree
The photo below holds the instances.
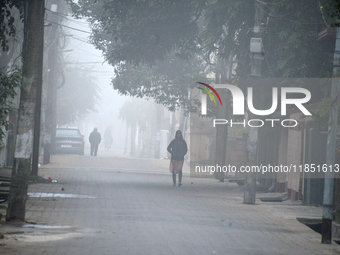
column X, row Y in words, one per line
column 332, row 10
column 78, row 97
column 292, row 47
column 225, row 29
column 138, row 113
column 8, row 83
column 11, row 18
column 11, row 27
column 141, row 31
column 31, row 81
column 8, row 30
column 127, row 32
column 167, row 81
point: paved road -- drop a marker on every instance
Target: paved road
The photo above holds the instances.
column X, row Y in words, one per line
column 130, row 207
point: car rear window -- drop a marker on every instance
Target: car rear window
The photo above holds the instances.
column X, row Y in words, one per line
column 68, row 132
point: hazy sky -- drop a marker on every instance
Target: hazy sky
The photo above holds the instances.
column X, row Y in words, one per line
column 85, row 54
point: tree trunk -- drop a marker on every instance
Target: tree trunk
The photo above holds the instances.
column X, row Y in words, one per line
column 133, row 140
column 31, row 76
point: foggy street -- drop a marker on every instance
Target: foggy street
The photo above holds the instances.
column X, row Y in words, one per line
column 110, row 205
column 105, row 105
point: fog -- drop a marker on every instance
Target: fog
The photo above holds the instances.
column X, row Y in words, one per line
column 204, row 109
column 80, row 54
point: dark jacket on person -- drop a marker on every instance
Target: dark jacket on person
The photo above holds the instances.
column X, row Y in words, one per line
column 178, row 148
column 95, row 138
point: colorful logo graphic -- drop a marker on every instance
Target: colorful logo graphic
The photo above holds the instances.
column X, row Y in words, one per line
column 239, row 99
column 208, row 92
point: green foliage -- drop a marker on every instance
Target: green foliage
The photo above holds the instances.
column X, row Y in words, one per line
column 292, row 49
column 321, row 114
column 134, row 35
column 150, row 43
column 167, row 81
column 9, row 10
column 8, row 83
column 77, row 98
column 7, row 20
column 332, row 10
column 225, row 28
column 289, row 34
column 141, row 31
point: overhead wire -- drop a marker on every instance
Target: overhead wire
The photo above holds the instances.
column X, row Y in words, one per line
column 284, row 15
column 60, row 14
column 81, row 39
column 85, row 62
column 87, row 32
column 81, row 23
column 74, row 46
column 265, row 3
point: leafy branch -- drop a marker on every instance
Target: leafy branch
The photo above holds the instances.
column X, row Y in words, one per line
column 8, row 83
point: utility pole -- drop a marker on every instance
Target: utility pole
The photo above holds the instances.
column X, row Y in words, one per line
column 51, row 101
column 223, row 113
column 221, row 130
column 222, row 78
column 37, row 121
column 257, row 57
column 327, row 210
column 31, row 77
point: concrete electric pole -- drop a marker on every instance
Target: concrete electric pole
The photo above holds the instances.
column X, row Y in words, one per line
column 221, row 130
column 257, row 58
column 51, row 81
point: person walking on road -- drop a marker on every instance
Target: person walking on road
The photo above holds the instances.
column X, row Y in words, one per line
column 108, row 140
column 178, row 148
column 94, row 139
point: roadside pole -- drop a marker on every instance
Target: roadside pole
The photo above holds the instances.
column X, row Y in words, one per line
column 37, row 118
column 51, row 97
column 31, row 77
column 257, row 57
column 222, row 130
column 327, row 210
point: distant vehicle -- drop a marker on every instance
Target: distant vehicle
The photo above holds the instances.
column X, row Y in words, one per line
column 69, row 140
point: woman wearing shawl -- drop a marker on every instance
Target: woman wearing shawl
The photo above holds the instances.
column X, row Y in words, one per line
column 178, row 148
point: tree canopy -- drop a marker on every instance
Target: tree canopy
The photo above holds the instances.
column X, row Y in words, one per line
column 135, row 35
column 8, row 83
column 141, row 31
column 78, row 97
column 11, row 14
column 8, row 13
column 167, row 81
column 332, row 10
column 136, row 112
